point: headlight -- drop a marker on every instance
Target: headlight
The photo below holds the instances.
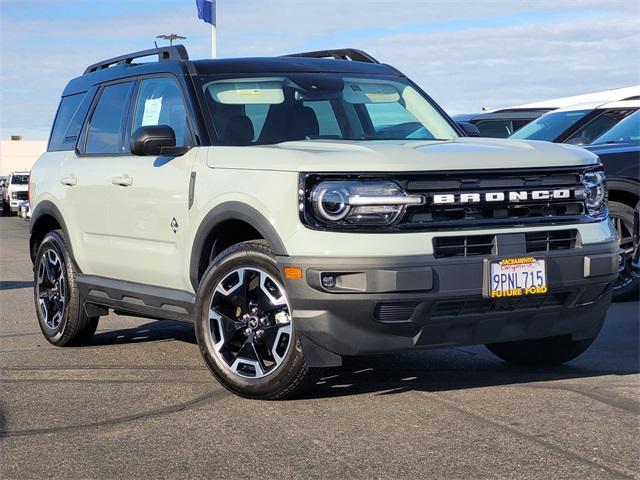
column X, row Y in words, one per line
column 360, row 202
column 594, row 193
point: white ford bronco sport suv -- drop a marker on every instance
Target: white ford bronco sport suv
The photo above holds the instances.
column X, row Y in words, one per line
column 300, row 209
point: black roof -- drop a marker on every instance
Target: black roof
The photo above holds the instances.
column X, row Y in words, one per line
column 168, row 62
column 289, row 65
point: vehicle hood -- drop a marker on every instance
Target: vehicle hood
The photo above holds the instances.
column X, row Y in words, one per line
column 400, row 156
column 18, row 188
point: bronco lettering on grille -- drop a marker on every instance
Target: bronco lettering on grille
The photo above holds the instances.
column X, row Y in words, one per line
column 492, row 197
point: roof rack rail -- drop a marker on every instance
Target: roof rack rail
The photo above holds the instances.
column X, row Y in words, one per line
column 174, row 52
column 352, row 54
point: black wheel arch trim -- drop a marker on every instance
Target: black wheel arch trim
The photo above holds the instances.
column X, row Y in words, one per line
column 231, row 211
column 626, row 185
column 43, row 209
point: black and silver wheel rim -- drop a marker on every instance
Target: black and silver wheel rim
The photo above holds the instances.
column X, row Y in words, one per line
column 249, row 327
column 51, row 290
column 624, row 227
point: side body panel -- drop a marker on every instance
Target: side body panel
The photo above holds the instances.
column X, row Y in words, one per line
column 148, row 219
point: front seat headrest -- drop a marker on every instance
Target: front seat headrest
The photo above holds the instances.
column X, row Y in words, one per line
column 239, row 131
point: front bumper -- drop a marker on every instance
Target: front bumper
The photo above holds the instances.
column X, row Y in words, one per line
column 387, row 304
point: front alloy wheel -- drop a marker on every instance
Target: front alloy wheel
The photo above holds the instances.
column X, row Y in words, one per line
column 244, row 325
column 250, row 322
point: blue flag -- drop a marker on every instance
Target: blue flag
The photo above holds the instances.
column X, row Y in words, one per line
column 207, row 11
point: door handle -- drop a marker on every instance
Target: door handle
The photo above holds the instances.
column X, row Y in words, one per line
column 123, row 180
column 69, row 180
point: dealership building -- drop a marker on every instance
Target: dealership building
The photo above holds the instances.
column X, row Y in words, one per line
column 17, row 154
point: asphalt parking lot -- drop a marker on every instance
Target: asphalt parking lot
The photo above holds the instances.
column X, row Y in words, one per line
column 140, row 402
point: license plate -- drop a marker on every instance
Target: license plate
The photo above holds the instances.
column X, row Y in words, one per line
column 516, row 277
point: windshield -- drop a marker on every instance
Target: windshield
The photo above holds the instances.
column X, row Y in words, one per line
column 628, row 130
column 274, row 109
column 19, row 179
column 549, row 126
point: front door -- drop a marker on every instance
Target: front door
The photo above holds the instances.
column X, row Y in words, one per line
column 148, row 197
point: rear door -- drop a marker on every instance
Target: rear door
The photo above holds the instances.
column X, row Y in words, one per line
column 85, row 176
column 148, row 197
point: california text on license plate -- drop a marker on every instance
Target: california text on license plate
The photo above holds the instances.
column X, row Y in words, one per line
column 515, row 277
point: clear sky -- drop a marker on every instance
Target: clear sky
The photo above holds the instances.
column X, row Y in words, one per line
column 466, row 54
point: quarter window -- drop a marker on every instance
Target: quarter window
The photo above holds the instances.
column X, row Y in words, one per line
column 106, row 129
column 68, row 107
column 160, row 103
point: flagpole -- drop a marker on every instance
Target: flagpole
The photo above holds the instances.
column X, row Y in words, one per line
column 214, row 42
column 214, row 33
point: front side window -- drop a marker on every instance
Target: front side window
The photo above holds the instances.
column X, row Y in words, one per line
column 550, row 126
column 106, row 128
column 597, row 126
column 160, row 103
column 269, row 110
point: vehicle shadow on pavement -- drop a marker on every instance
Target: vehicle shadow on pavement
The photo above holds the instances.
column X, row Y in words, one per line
column 15, row 284
column 154, row 331
column 429, row 372
column 616, row 352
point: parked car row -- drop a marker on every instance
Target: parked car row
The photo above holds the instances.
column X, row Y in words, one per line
column 14, row 189
column 608, row 124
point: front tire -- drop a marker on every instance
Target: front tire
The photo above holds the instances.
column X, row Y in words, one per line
column 244, row 327
column 61, row 314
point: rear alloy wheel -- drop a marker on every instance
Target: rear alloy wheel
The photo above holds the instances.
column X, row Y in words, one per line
column 61, row 314
column 627, row 284
column 244, row 325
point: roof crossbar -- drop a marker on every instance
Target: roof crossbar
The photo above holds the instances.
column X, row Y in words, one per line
column 174, row 52
column 352, row 54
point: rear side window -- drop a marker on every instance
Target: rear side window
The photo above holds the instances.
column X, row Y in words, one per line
column 106, row 131
column 66, row 112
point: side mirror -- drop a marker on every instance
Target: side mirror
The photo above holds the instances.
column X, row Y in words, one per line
column 469, row 129
column 156, row 140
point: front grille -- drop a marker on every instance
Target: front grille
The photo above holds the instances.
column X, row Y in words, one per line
column 432, row 216
column 462, row 307
column 394, row 312
column 551, row 240
column 463, row 245
column 472, row 245
column 20, row 195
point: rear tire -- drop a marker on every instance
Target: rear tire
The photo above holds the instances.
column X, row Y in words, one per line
column 60, row 309
column 244, row 327
column 543, row 352
column 627, row 285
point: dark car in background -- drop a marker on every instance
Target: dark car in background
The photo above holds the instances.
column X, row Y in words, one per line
column 579, row 124
column 501, row 123
column 619, row 151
